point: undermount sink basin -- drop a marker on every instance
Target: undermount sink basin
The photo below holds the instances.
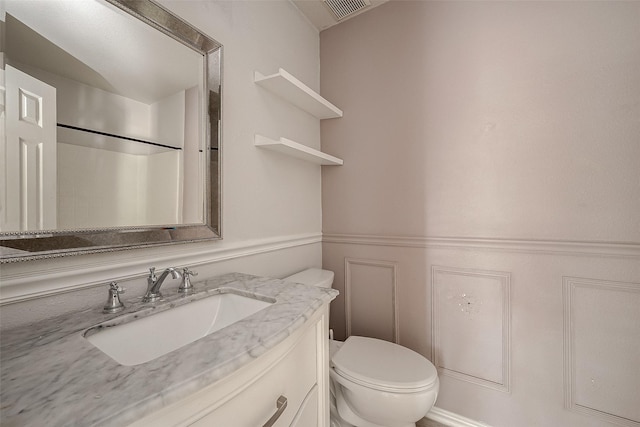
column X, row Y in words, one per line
column 144, row 339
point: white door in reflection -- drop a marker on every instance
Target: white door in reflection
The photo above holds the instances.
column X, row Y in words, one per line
column 29, row 187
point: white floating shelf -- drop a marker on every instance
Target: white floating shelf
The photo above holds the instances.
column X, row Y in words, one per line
column 295, row 149
column 297, row 93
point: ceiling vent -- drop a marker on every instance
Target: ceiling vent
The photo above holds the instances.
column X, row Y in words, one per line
column 344, row 8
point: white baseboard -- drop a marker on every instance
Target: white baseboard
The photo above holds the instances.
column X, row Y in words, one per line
column 451, row 419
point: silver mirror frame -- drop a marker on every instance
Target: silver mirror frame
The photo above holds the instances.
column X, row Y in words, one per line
column 58, row 243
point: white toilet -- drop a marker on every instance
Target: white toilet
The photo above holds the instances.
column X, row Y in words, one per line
column 375, row 383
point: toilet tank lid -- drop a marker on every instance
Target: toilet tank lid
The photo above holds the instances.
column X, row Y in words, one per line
column 383, row 365
column 313, row 276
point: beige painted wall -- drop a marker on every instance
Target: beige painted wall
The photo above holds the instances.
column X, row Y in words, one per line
column 489, row 119
column 488, row 211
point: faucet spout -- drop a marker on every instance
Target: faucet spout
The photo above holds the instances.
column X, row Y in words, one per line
column 154, row 283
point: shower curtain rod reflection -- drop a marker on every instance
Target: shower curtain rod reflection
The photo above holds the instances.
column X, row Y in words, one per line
column 111, row 135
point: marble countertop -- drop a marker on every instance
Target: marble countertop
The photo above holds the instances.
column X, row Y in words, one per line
column 51, row 375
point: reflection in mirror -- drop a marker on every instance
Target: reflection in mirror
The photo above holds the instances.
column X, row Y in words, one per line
column 109, row 128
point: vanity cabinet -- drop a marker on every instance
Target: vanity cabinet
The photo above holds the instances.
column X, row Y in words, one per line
column 295, row 370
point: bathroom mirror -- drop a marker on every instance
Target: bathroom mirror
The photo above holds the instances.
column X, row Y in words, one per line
column 110, row 123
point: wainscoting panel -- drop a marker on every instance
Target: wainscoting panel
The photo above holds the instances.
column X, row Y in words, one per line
column 370, row 298
column 516, row 337
column 471, row 325
column 600, row 317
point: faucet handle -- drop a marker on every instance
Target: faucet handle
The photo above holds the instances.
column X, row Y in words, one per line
column 114, row 304
column 113, row 286
column 152, row 274
column 186, row 271
column 186, row 287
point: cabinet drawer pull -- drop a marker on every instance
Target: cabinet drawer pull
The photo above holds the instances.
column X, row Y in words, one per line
column 281, row 405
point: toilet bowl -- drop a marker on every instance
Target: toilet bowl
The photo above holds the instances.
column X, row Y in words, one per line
column 375, row 383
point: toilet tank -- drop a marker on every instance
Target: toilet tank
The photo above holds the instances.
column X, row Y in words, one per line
column 312, row 276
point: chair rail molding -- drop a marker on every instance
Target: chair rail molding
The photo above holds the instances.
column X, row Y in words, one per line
column 550, row 247
column 28, row 280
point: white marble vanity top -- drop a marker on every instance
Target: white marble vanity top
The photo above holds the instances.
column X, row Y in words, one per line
column 51, row 375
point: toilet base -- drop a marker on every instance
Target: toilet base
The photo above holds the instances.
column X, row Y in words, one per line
column 336, row 419
column 346, row 416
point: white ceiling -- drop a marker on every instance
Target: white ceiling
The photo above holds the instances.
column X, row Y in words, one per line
column 99, row 45
column 320, row 15
column 90, row 42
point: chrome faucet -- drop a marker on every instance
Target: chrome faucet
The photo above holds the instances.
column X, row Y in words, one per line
column 154, row 283
column 114, row 304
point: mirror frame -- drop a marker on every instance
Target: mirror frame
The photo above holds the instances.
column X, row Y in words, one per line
column 58, row 243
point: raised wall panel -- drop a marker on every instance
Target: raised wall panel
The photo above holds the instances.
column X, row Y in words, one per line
column 370, row 299
column 602, row 349
column 471, row 325
column 535, row 271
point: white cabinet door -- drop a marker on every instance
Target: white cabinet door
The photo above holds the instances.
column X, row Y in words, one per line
column 292, row 377
column 30, row 154
column 297, row 369
column 308, row 413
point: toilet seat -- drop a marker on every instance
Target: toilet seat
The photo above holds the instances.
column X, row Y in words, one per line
column 394, row 368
